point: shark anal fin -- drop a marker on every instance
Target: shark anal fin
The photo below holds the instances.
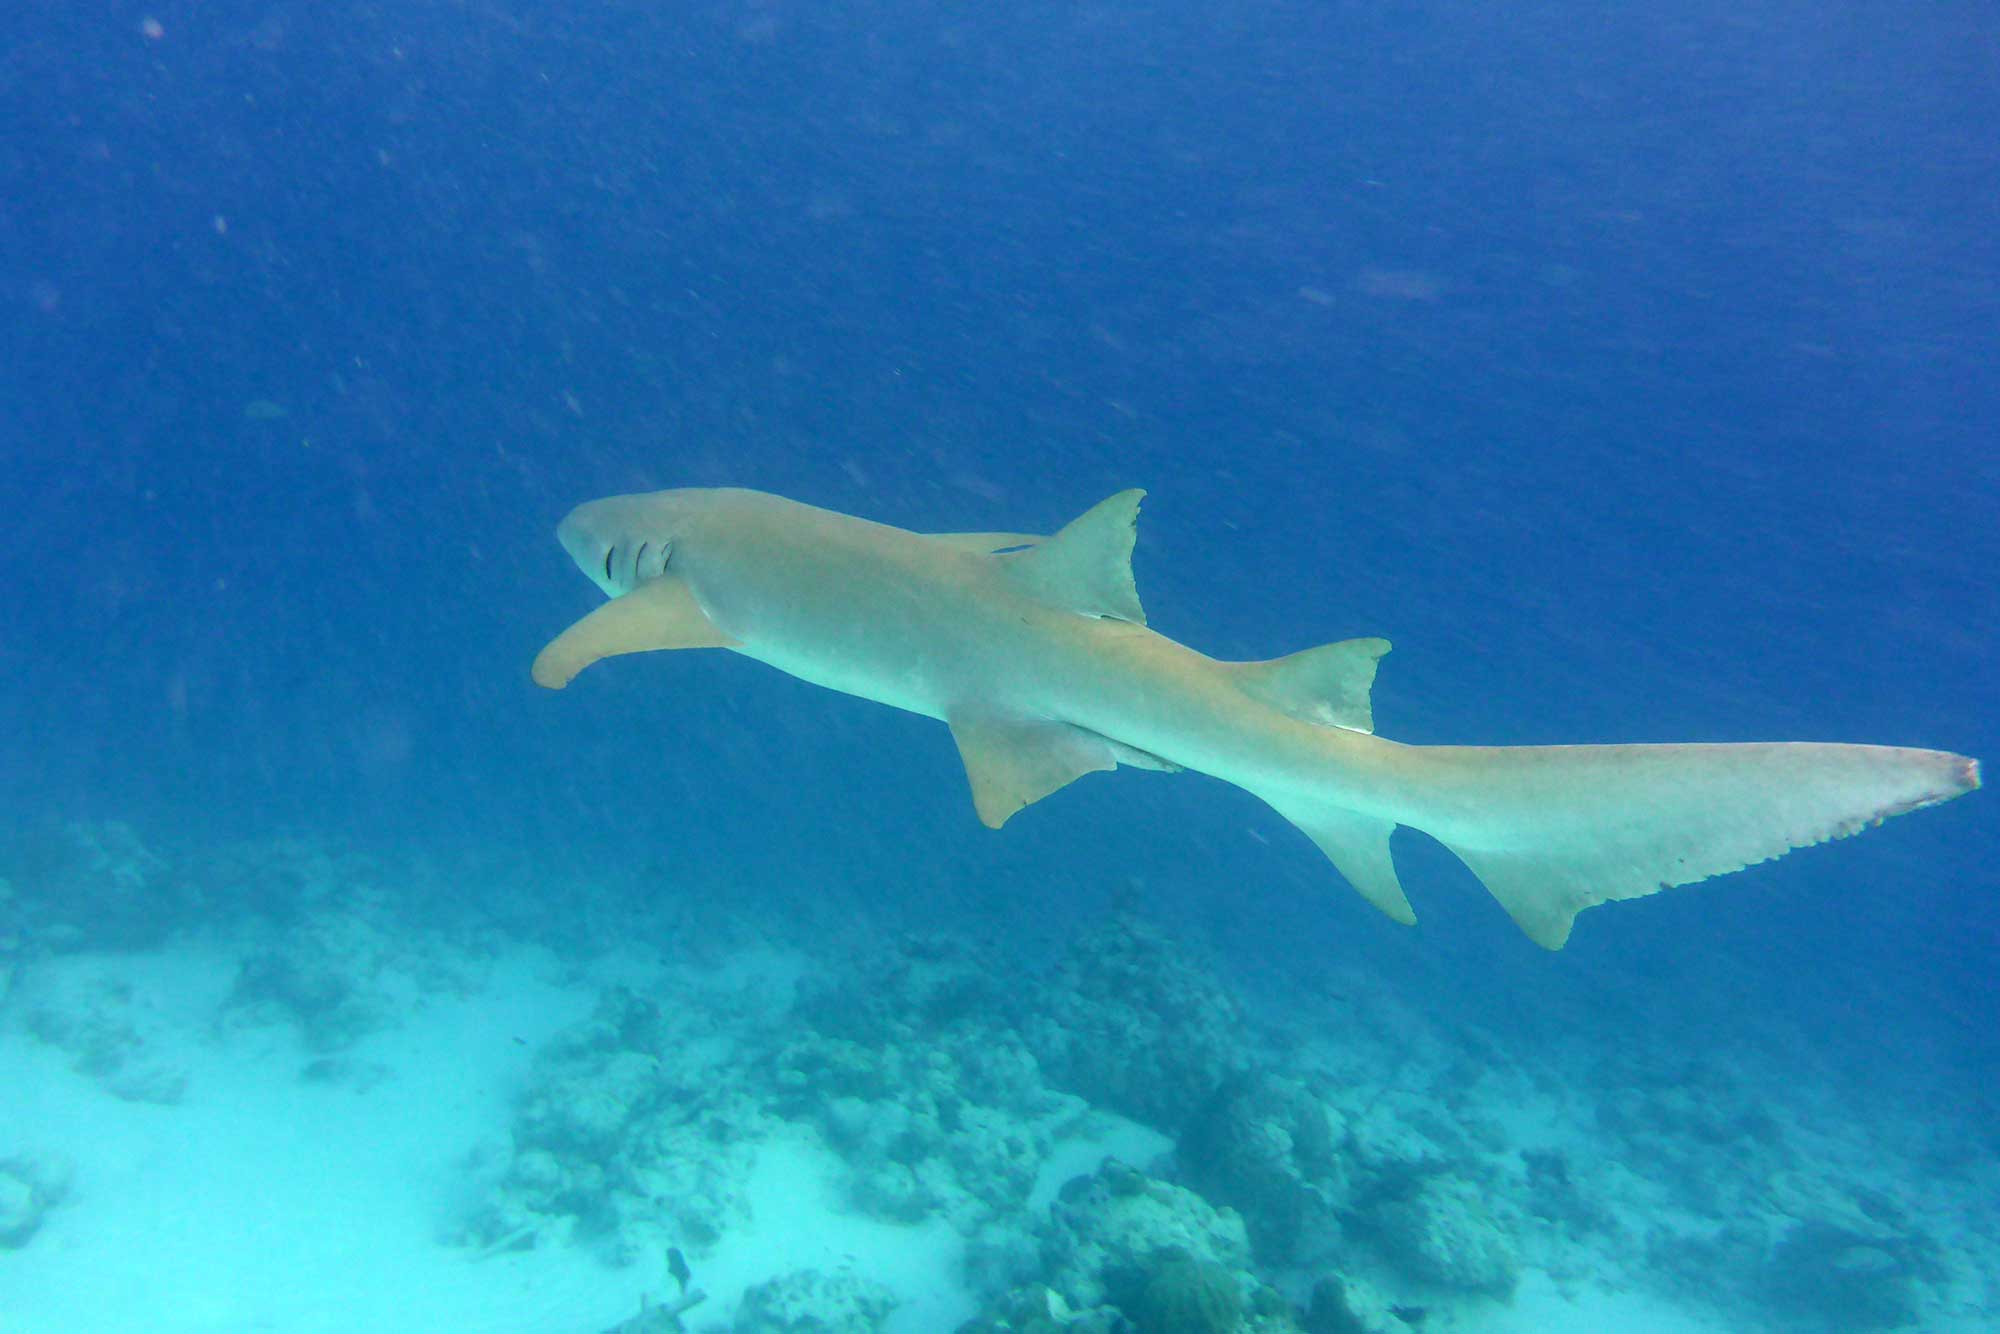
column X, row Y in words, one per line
column 1543, row 894
column 1015, row 762
column 986, row 544
column 1087, row 567
column 659, row 614
column 1358, row 847
column 1328, row 685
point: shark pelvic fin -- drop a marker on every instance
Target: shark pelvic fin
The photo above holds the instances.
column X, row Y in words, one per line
column 1327, row 685
column 1015, row 762
column 659, row 614
column 1087, row 567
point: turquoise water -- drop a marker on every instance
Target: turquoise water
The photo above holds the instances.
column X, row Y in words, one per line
column 1634, row 373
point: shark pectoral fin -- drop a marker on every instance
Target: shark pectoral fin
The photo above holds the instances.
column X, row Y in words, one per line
column 986, row 544
column 1328, row 685
column 659, row 614
column 1358, row 847
column 1015, row 762
column 1087, row 567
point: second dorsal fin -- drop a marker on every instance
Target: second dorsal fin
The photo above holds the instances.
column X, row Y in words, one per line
column 1328, row 685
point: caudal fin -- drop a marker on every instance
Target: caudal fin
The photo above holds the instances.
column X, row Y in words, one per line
column 1552, row 830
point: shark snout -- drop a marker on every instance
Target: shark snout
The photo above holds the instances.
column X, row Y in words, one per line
column 615, row 555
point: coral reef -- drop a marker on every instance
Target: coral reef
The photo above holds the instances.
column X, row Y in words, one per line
column 30, row 1185
column 914, row 1073
column 1036, row 1309
column 1442, row 1231
column 282, row 878
column 808, row 1301
column 92, row 884
column 328, row 948
column 13, row 936
column 323, row 981
column 1182, row 1295
column 1132, row 1024
column 626, row 1135
column 1107, row 1230
column 1332, row 1311
column 1556, row 1196
column 912, row 1065
column 1126, row 1253
column 1273, row 1150
column 1400, row 1171
column 1769, row 1212
column 1820, row 1275
column 105, row 1025
column 1313, row 1181
column 1364, row 1164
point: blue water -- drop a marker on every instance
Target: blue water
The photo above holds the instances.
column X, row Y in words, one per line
column 1633, row 369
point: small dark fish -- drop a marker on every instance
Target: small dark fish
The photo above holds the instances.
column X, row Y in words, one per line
column 677, row 1265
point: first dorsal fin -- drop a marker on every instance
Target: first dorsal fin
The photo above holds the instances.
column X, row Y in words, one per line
column 1328, row 685
column 1087, row 567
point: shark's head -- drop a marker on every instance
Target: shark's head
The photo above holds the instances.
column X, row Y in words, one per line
column 622, row 541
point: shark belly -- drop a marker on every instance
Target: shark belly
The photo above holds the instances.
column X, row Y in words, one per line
column 891, row 634
column 902, row 686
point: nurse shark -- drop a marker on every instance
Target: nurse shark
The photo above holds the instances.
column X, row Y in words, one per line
column 1034, row 651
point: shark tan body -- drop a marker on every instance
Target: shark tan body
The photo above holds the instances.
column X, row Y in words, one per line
column 1035, row 652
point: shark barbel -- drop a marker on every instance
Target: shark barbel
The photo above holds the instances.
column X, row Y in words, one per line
column 1035, row 652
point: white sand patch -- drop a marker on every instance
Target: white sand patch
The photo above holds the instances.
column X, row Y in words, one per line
column 1540, row 1307
column 797, row 1222
column 265, row 1203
